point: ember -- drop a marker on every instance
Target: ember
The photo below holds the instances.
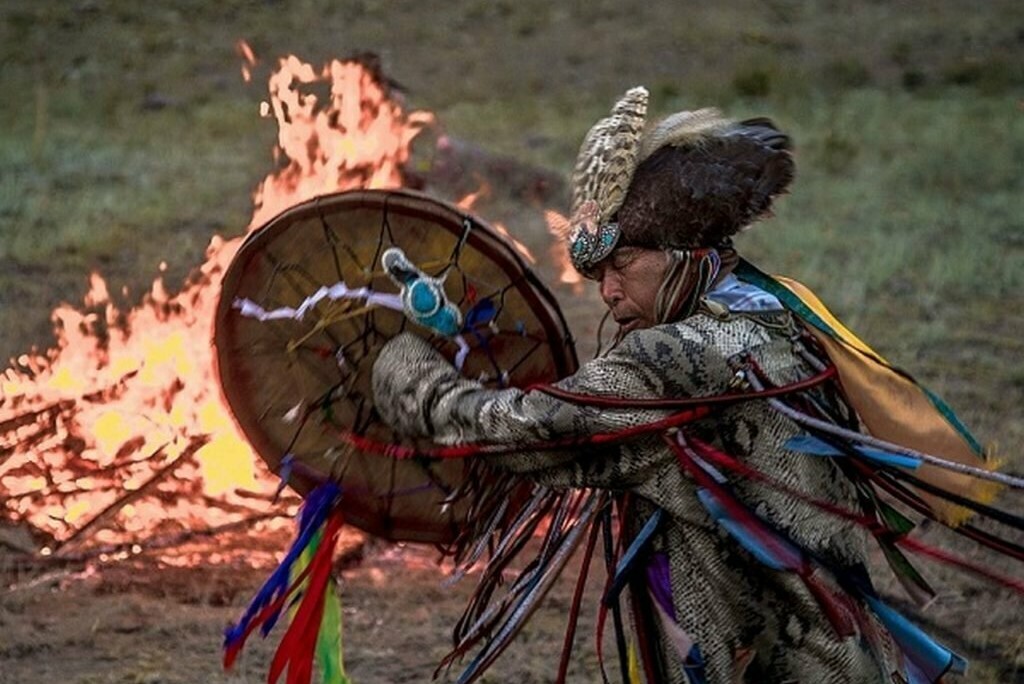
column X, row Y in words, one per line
column 118, row 436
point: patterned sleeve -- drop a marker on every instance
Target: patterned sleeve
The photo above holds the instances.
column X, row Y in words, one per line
column 419, row 393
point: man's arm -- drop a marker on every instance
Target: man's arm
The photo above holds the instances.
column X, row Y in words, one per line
column 420, row 394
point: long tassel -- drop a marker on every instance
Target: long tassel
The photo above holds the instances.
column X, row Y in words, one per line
column 910, row 499
column 483, row 613
column 574, row 610
column 500, row 624
column 882, row 469
column 611, row 551
column 296, row 651
column 329, row 641
column 328, row 652
column 926, row 659
column 764, row 542
column 909, row 543
column 644, row 608
column 304, row 578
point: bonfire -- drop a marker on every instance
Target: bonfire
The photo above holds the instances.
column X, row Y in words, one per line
column 117, row 440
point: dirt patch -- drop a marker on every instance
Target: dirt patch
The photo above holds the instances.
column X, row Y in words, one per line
column 133, row 623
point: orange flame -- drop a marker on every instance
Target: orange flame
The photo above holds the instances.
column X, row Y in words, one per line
column 469, row 201
column 115, row 406
column 359, row 138
column 248, row 57
column 558, row 226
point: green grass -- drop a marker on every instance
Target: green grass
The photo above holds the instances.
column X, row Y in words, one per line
column 87, row 186
column 896, row 191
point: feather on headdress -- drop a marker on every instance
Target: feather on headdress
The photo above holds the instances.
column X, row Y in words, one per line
column 610, row 152
column 604, row 168
column 693, row 179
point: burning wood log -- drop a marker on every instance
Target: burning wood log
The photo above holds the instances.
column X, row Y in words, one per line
column 44, row 420
column 195, row 444
column 20, row 420
column 155, row 542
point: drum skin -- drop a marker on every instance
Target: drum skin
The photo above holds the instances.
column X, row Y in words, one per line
column 295, row 386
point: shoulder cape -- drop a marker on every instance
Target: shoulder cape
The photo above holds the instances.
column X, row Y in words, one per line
column 890, row 403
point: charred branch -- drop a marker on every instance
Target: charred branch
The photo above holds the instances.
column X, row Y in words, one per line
column 97, row 521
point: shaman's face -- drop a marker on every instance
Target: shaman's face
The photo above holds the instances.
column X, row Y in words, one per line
column 630, row 278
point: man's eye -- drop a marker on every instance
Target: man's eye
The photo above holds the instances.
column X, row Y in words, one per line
column 623, row 260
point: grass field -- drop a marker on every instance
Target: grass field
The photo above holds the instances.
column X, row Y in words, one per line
column 129, row 138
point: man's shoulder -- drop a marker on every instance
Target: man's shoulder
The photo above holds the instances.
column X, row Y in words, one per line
column 692, row 356
column 727, row 335
column 699, row 348
column 691, row 343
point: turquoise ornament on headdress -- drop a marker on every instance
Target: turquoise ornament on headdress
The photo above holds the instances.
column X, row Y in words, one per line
column 590, row 242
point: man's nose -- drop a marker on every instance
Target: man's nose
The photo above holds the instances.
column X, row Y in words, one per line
column 611, row 290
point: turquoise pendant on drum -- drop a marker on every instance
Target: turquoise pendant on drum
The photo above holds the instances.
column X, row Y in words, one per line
column 423, row 297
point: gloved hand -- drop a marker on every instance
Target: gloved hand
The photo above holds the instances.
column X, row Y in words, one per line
column 405, row 370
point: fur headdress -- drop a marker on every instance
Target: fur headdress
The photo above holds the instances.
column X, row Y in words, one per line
column 693, row 180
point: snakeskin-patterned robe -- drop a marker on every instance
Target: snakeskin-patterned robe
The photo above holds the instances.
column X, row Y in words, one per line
column 751, row 623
